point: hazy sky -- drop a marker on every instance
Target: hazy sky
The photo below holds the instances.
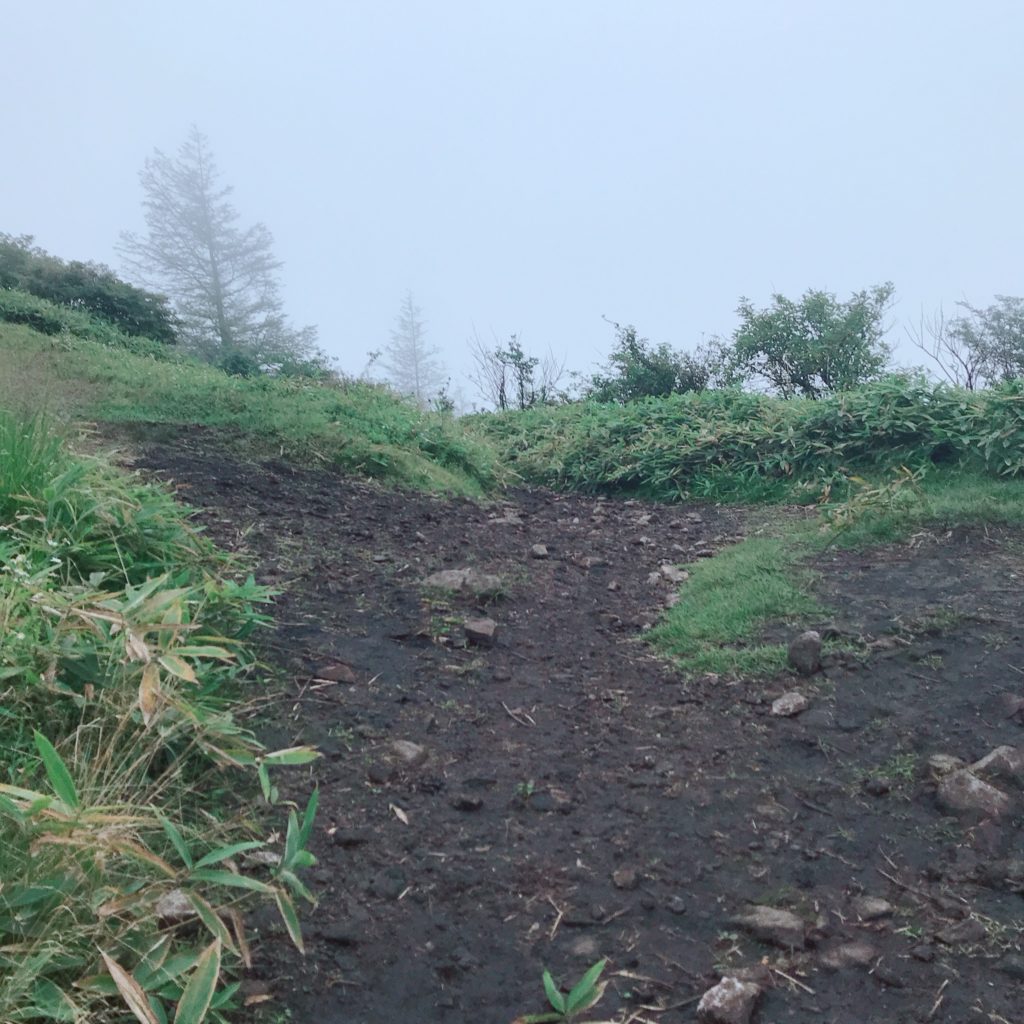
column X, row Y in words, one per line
column 529, row 166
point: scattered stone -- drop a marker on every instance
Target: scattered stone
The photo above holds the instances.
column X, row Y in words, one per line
column 964, row 793
column 963, row 933
column 674, row 574
column 467, row 802
column 924, row 952
column 625, row 878
column 174, row 907
column 672, row 600
column 389, row 884
column 871, row 908
column 541, row 802
column 1013, row 965
column 878, row 785
column 943, row 764
column 1005, row 763
column 592, row 562
column 849, row 954
column 412, row 755
column 349, row 838
column 614, row 585
column 510, row 518
column 339, row 933
column 731, row 1001
column 336, row 672
column 805, row 653
column 677, row 906
column 790, row 704
column 472, row 581
column 379, row 773
column 695, row 517
column 769, row 924
column 886, row 975
column 539, row 551
column 480, row 631
column 653, row 578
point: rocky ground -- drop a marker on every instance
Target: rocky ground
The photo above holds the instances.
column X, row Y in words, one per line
column 511, row 780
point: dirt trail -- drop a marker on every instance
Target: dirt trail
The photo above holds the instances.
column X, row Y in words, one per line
column 563, row 796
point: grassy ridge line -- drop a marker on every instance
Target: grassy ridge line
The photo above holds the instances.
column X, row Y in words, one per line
column 359, row 427
column 733, row 446
column 122, row 653
column 768, row 581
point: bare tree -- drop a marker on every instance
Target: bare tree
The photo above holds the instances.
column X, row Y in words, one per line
column 221, row 278
column 979, row 347
column 412, row 365
column 508, row 378
column 960, row 363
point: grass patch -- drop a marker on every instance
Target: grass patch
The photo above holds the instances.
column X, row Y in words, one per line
column 355, row 426
column 729, row 599
column 125, row 810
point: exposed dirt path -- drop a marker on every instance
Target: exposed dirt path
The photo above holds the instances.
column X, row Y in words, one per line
column 570, row 797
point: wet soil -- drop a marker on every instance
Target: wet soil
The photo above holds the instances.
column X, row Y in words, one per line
column 571, row 797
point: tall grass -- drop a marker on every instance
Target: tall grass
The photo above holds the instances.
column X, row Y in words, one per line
column 733, row 446
column 122, row 646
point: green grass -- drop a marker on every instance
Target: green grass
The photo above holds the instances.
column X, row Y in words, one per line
column 765, row 583
column 728, row 601
column 355, row 426
column 123, row 650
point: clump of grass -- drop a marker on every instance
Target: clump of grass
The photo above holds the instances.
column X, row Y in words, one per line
column 356, row 426
column 728, row 600
column 122, row 644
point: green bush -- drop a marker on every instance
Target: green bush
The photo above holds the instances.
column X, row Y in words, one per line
column 18, row 307
column 87, row 287
column 733, row 445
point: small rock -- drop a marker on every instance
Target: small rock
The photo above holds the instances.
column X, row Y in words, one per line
column 964, row 793
column 480, row 631
column 769, row 924
column 790, row 704
column 1005, row 763
column 467, row 802
column 871, row 908
column 389, row 884
column 731, row 1001
column 805, row 653
column 502, row 674
column 174, row 907
column 339, row 933
column 963, row 933
column 592, row 562
column 379, row 773
column 539, row 551
column 625, row 878
column 878, row 785
column 1012, row 965
column 943, row 764
column 542, row 802
column 349, row 838
column 849, row 954
column 614, row 585
column 480, row 584
column 924, row 952
column 412, row 755
column 674, row 574
column 337, row 672
column 677, row 906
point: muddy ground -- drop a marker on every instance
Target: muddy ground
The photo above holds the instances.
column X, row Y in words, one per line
column 570, row 797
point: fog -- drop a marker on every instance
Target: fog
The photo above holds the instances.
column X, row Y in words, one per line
column 530, row 167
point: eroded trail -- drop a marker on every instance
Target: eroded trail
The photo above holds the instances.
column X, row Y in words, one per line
column 556, row 794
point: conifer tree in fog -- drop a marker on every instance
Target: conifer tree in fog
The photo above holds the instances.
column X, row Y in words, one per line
column 221, row 277
column 411, row 363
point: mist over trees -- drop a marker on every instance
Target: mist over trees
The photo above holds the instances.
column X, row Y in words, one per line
column 412, row 364
column 221, row 277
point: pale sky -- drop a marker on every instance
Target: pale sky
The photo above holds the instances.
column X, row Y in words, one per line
column 529, row 166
